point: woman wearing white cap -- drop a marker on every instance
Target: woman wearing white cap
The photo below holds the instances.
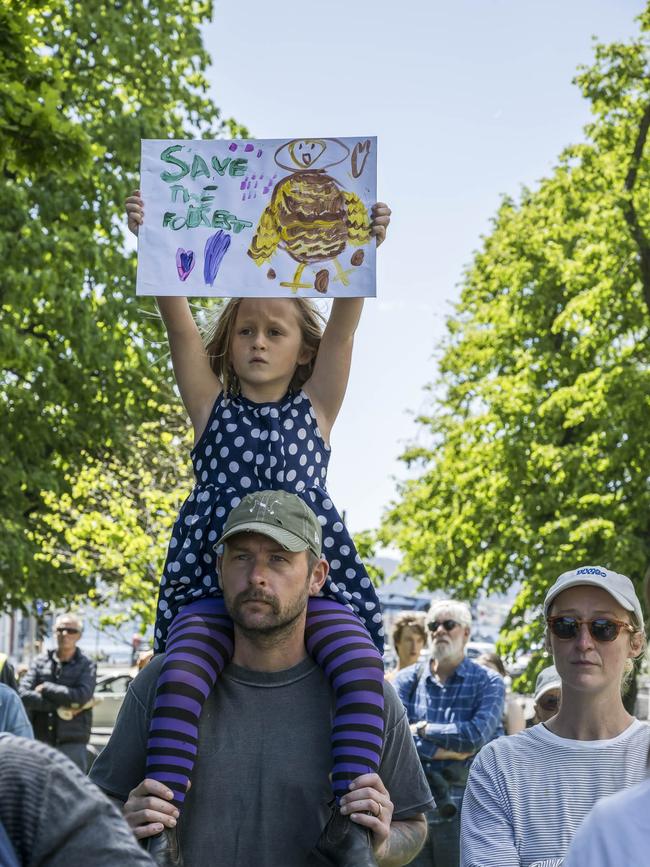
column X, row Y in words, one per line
column 527, row 794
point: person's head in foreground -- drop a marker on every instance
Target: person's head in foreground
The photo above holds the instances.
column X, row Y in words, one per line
column 449, row 623
column 409, row 638
column 548, row 693
column 594, row 628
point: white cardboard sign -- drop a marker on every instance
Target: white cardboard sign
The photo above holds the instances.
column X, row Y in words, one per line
column 266, row 218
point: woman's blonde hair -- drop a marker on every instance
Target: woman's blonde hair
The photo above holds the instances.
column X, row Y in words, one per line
column 218, row 337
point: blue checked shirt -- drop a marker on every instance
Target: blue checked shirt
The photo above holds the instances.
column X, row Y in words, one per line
column 462, row 714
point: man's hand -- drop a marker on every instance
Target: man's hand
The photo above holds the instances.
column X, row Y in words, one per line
column 368, row 803
column 39, row 687
column 148, row 810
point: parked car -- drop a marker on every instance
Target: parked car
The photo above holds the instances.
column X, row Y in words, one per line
column 111, row 689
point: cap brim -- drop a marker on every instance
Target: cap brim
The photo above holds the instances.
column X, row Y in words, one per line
column 289, row 541
column 554, row 684
column 581, row 582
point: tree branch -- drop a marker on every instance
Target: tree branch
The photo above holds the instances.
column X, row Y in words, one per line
column 629, row 211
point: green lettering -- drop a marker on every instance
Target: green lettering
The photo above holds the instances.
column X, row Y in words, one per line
column 219, row 167
column 221, row 220
column 238, row 225
column 179, row 188
column 199, row 167
column 238, row 167
column 166, row 157
column 173, row 221
column 196, row 216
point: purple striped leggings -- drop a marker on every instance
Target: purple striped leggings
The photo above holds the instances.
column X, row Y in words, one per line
column 200, row 645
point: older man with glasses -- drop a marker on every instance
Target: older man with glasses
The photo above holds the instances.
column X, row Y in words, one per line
column 454, row 707
column 57, row 689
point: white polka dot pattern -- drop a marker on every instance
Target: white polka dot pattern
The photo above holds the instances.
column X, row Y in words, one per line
column 248, row 447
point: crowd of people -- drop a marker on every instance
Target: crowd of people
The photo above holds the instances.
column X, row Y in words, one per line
column 454, row 785
column 264, row 731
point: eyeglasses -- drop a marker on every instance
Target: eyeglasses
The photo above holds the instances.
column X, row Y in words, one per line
column 447, row 625
column 66, row 630
column 549, row 702
column 600, row 629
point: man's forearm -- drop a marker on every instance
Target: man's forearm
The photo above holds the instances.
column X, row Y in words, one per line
column 405, row 840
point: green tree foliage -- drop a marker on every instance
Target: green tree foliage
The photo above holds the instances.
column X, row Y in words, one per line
column 82, row 367
column 112, row 526
column 538, row 443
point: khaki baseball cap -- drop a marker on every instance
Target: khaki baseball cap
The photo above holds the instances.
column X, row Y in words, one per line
column 618, row 586
column 281, row 516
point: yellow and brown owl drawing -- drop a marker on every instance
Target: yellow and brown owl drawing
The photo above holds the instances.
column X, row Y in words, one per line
column 309, row 216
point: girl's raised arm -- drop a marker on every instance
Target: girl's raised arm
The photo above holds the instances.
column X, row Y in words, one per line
column 197, row 383
column 328, row 383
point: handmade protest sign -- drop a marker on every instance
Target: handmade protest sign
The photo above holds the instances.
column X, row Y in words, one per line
column 264, row 218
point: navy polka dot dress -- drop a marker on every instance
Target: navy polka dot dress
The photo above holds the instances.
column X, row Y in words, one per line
column 246, row 447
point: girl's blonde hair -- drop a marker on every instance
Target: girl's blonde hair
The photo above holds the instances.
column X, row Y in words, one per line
column 218, row 337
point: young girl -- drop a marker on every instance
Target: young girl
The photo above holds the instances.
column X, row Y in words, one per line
column 262, row 395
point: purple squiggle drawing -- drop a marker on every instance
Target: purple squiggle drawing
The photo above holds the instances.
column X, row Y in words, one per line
column 185, row 261
column 216, row 248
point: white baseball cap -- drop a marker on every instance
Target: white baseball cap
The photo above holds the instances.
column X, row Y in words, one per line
column 548, row 678
column 618, row 586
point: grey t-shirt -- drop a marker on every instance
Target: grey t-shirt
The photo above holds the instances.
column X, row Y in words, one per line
column 260, row 788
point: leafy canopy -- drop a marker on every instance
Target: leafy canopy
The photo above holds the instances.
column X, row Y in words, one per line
column 85, row 387
column 538, row 443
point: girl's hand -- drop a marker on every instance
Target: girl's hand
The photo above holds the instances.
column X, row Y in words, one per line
column 380, row 218
column 135, row 211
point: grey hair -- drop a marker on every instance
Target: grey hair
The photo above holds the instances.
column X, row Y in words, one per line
column 460, row 611
column 68, row 615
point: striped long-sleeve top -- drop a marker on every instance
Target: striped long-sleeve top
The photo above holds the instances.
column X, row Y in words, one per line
column 528, row 793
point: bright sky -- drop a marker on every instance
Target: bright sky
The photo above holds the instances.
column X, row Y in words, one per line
column 469, row 99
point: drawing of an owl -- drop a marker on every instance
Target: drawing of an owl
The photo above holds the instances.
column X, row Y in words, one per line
column 309, row 215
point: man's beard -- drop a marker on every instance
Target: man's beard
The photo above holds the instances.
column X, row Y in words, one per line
column 442, row 651
column 277, row 621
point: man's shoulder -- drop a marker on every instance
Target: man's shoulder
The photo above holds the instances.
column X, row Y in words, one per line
column 82, row 657
column 409, row 675
column 480, row 673
column 393, row 707
column 7, row 693
column 144, row 684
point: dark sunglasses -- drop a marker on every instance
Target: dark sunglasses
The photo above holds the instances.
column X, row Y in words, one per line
column 66, row 630
column 600, row 629
column 549, row 702
column 447, row 625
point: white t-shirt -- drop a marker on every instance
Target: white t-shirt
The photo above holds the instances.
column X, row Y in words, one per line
column 528, row 793
column 616, row 832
